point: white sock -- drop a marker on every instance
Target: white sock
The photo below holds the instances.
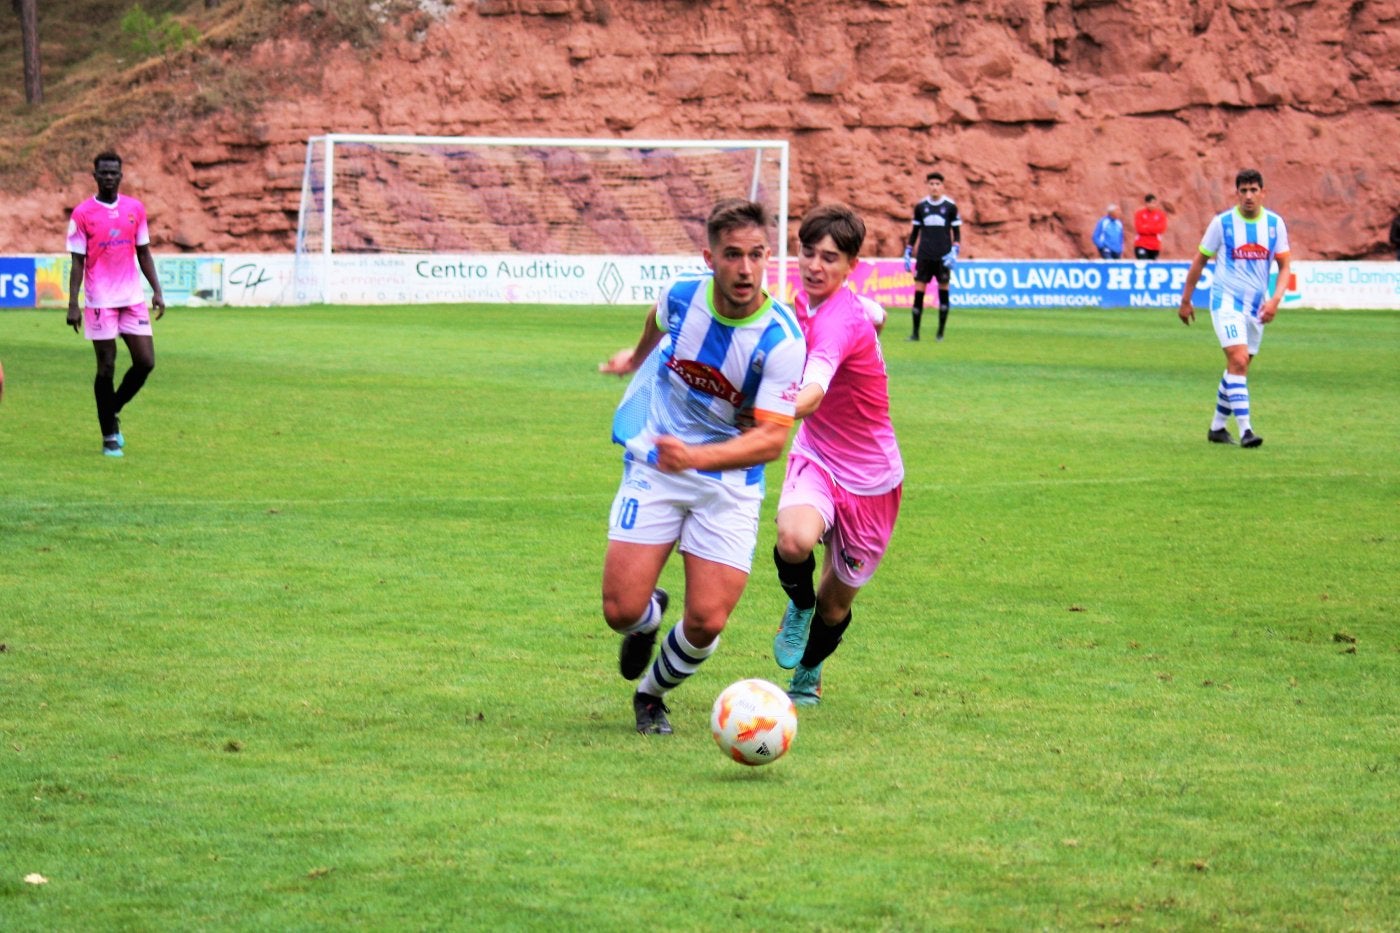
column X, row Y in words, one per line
column 649, row 621
column 1222, row 405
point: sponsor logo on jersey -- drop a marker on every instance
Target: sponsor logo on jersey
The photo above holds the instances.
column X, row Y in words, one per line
column 1250, row 251
column 705, row 378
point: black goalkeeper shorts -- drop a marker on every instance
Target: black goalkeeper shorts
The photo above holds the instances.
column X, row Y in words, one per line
column 928, row 268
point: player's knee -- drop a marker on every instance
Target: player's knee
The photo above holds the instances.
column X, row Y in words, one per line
column 143, row 357
column 832, row 611
column 793, row 544
column 622, row 612
column 701, row 629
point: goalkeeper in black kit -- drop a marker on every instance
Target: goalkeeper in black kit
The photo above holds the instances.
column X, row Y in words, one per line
column 937, row 233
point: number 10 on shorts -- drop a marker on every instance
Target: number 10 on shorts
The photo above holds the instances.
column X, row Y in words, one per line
column 625, row 515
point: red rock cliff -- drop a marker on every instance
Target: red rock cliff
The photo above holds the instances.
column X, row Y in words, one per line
column 1039, row 113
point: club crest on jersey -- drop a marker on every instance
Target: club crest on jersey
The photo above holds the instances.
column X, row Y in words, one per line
column 1250, row 251
column 705, row 378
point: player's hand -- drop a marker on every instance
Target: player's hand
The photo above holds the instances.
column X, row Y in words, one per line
column 1268, row 310
column 950, row 258
column 908, row 259
column 672, row 454
column 158, row 303
column 75, row 317
column 1186, row 312
column 619, row 364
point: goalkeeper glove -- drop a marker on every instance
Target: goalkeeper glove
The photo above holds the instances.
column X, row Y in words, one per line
column 908, row 259
column 950, row 258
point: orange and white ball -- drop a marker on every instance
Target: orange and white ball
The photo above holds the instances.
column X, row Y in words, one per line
column 753, row 722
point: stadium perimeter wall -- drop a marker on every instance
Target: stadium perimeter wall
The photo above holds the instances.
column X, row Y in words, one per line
column 261, row 280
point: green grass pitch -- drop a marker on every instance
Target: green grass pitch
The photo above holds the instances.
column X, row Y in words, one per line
column 324, row 650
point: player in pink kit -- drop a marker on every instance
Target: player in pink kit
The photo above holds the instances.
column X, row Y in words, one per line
column 844, row 476
column 110, row 244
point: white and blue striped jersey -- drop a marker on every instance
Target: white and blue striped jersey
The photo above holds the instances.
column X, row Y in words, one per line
column 1244, row 251
column 707, row 371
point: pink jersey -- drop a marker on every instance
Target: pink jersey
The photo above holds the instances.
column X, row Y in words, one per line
column 108, row 234
column 850, row 433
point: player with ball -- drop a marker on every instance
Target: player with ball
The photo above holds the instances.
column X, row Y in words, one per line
column 711, row 402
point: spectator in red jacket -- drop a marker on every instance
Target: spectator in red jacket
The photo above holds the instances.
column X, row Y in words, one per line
column 1149, row 223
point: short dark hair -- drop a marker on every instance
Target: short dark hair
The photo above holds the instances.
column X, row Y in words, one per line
column 106, row 155
column 1247, row 175
column 932, row 175
column 844, row 226
column 732, row 214
column 1150, row 197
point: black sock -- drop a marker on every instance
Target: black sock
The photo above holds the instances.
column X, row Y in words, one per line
column 918, row 311
column 822, row 640
column 943, row 308
column 796, row 580
column 132, row 382
column 106, row 404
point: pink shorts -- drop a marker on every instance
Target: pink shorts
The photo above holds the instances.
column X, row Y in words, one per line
column 858, row 528
column 107, row 323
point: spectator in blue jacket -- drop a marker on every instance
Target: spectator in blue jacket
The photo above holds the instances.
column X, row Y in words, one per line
column 1108, row 234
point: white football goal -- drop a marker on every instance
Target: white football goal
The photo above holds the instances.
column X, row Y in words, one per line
column 468, row 195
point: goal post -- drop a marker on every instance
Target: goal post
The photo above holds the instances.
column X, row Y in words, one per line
column 487, row 196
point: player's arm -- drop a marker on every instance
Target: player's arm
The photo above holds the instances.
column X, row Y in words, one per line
column 1270, row 308
column 75, row 284
column 627, row 360
column 875, row 312
column 1187, row 311
column 909, row 247
column 820, row 369
column 762, row 443
column 809, row 399
column 148, row 268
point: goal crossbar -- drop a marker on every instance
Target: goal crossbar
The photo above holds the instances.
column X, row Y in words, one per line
column 321, row 163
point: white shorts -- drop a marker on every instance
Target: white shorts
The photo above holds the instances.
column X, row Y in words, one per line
column 708, row 518
column 1235, row 327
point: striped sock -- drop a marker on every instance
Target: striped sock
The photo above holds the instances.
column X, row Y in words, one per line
column 1222, row 404
column 649, row 620
column 676, row 661
column 1237, row 391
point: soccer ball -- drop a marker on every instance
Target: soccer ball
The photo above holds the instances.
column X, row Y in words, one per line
column 753, row 722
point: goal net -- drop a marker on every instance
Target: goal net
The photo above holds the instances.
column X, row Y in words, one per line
column 484, row 196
